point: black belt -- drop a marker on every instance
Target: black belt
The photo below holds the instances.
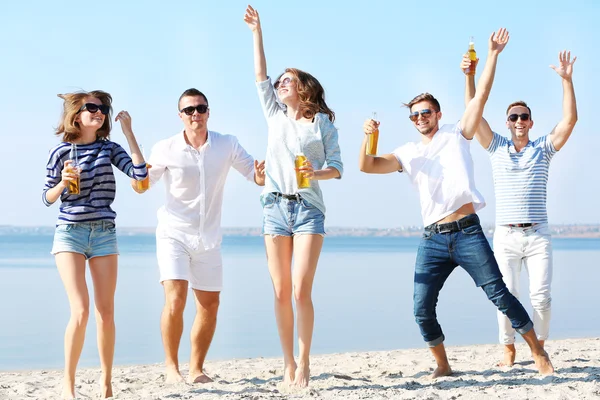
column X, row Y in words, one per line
column 521, row 225
column 296, row 196
column 454, row 226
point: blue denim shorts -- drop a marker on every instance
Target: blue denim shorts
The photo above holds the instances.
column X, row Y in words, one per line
column 289, row 216
column 92, row 239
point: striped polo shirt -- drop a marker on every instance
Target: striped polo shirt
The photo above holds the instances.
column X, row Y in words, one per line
column 520, row 179
column 97, row 181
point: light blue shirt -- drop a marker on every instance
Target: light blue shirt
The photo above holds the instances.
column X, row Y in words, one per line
column 318, row 141
column 520, row 179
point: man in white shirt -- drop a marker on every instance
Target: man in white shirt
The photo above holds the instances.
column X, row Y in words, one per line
column 441, row 168
column 194, row 164
column 520, row 167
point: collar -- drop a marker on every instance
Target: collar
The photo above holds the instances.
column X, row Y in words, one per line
column 181, row 144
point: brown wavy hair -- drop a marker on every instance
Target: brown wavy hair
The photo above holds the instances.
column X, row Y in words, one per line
column 310, row 93
column 69, row 128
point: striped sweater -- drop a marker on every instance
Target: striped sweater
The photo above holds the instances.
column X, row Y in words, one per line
column 97, row 181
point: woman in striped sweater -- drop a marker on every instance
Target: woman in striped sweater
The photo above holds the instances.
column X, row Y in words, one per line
column 86, row 223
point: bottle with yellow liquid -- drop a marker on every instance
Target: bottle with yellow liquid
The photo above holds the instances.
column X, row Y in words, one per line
column 373, row 139
column 145, row 183
column 303, row 182
column 73, row 186
column 472, row 57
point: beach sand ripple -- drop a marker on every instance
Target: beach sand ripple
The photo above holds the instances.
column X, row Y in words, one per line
column 399, row 374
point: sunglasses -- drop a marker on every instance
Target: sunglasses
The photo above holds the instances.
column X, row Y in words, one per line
column 515, row 117
column 202, row 109
column 93, row 108
column 426, row 113
column 281, row 83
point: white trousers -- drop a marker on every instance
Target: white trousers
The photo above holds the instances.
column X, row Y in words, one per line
column 531, row 248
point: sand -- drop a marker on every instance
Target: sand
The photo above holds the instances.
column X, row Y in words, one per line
column 399, row 374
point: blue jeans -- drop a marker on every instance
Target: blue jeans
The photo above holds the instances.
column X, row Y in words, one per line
column 92, row 239
column 438, row 255
column 291, row 216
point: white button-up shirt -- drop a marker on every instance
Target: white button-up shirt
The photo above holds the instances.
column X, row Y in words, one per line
column 194, row 181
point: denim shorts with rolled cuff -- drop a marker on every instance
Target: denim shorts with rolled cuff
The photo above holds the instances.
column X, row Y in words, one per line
column 289, row 215
column 91, row 239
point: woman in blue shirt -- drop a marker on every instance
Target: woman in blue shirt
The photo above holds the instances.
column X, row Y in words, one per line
column 86, row 224
column 300, row 122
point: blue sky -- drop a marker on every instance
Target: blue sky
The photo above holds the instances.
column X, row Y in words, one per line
column 368, row 58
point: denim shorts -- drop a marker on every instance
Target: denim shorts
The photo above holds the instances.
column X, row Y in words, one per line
column 92, row 239
column 283, row 216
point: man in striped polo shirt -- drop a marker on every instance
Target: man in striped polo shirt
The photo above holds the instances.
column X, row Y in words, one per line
column 520, row 169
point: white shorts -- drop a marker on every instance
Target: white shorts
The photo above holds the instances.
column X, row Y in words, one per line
column 203, row 269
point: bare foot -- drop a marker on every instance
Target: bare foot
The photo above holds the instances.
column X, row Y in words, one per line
column 173, row 375
column 509, row 356
column 106, row 387
column 302, row 375
column 199, row 377
column 289, row 373
column 68, row 389
column 441, row 371
column 543, row 364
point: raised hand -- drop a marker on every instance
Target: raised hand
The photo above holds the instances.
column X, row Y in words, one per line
column 252, row 19
column 370, row 126
column 498, row 40
column 466, row 63
column 125, row 119
column 565, row 66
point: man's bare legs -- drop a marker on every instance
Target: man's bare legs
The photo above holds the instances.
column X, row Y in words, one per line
column 71, row 267
column 307, row 249
column 279, row 259
column 171, row 326
column 203, row 330
column 104, row 275
column 443, row 366
column 540, row 357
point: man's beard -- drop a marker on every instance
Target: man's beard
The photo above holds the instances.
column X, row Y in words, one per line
column 427, row 131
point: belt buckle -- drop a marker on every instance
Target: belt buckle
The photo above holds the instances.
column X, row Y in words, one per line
column 445, row 228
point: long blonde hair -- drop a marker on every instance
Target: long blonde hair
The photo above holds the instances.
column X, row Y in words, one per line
column 310, row 93
column 68, row 127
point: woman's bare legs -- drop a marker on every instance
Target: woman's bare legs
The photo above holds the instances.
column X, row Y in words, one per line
column 104, row 275
column 307, row 249
column 279, row 258
column 71, row 267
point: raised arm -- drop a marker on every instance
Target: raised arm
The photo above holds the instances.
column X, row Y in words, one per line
column 384, row 164
column 474, row 111
column 252, row 19
column 562, row 131
column 136, row 154
column 484, row 134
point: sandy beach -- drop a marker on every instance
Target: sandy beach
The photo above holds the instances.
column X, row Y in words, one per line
column 399, row 374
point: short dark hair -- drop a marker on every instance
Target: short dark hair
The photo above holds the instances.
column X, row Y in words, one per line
column 192, row 92
column 517, row 104
column 424, row 97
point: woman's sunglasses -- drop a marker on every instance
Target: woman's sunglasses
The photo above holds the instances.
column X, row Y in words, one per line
column 202, row 108
column 281, row 83
column 515, row 117
column 426, row 113
column 93, row 108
